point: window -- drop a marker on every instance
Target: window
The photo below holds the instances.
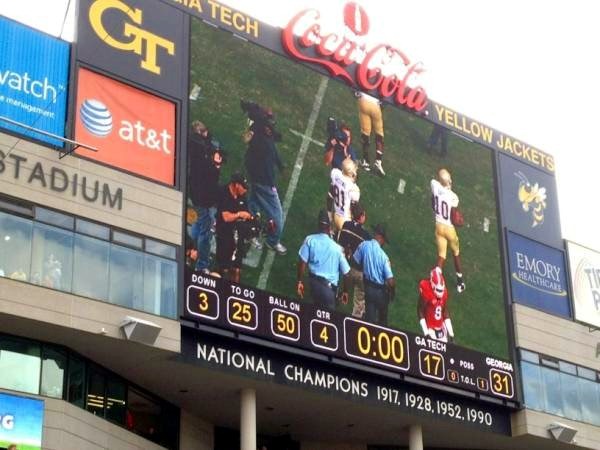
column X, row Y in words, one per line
column 144, row 415
column 15, row 247
column 76, row 382
column 116, row 394
column 52, row 257
column 19, row 365
column 70, row 254
column 95, row 402
column 126, row 277
column 54, row 363
column 90, row 267
column 160, row 278
column 560, row 388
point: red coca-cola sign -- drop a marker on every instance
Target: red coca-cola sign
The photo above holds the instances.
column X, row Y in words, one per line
column 381, row 70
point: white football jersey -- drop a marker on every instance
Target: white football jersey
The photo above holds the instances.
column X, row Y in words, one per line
column 344, row 191
column 442, row 200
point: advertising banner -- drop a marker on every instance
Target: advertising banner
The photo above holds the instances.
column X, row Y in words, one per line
column 21, row 421
column 529, row 202
column 584, row 265
column 133, row 130
column 537, row 275
column 138, row 40
column 34, row 71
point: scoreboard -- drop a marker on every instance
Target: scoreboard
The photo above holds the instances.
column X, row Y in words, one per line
column 260, row 314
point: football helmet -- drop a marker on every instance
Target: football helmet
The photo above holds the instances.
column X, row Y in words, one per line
column 438, row 284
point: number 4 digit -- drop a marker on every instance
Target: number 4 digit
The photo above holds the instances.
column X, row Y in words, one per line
column 323, row 335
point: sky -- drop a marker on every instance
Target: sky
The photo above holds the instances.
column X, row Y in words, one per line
column 526, row 68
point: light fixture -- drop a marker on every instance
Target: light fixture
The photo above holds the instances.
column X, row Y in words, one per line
column 562, row 432
column 140, row 330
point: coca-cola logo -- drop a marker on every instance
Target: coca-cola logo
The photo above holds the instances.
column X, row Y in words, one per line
column 382, row 70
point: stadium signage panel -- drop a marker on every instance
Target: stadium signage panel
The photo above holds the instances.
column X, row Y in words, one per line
column 59, row 180
column 529, row 202
column 138, row 40
column 537, row 275
column 133, row 130
column 383, row 68
column 584, row 265
column 21, row 421
column 233, row 356
column 34, row 72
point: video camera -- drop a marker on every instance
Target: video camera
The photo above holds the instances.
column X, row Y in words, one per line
column 250, row 229
column 261, row 118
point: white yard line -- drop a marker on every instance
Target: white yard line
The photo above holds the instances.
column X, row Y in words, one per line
column 314, row 141
column 289, row 195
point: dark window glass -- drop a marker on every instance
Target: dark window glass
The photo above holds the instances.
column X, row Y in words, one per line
column 530, row 356
column 52, row 257
column 90, row 267
column 54, row 218
column 160, row 286
column 115, row 400
column 20, row 365
column 126, row 277
column 553, row 395
column 144, row 415
column 96, row 392
column 15, row 247
column 76, row 382
column 92, row 229
column 16, row 207
column 160, row 249
column 127, row 239
column 54, row 363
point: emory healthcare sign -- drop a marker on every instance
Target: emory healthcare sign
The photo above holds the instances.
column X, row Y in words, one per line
column 537, row 275
column 33, row 78
column 584, row 265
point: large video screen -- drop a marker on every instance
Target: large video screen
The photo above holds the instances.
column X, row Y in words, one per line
column 276, row 166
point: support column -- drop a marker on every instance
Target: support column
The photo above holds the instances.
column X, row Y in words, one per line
column 415, row 437
column 248, row 419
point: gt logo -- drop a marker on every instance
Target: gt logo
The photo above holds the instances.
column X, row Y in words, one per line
column 138, row 36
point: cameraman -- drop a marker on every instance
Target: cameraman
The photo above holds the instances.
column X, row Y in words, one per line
column 339, row 146
column 206, row 158
column 232, row 211
column 262, row 162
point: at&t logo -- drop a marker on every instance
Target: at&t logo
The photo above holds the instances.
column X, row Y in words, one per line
column 141, row 42
column 98, row 121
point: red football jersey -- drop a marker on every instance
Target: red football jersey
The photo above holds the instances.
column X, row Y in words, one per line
column 434, row 307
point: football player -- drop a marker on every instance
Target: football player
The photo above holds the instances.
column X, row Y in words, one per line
column 343, row 191
column 371, row 119
column 443, row 199
column 432, row 307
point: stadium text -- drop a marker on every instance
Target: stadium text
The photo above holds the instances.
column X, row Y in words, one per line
column 336, row 53
column 58, row 180
column 482, row 133
column 144, row 43
column 227, row 16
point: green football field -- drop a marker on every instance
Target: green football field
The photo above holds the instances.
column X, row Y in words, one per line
column 228, row 69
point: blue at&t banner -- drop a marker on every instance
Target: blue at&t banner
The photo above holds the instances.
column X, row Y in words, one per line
column 34, row 70
column 21, row 421
column 537, row 275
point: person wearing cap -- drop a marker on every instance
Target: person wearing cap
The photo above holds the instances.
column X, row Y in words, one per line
column 350, row 237
column 232, row 208
column 205, row 161
column 339, row 148
column 262, row 162
column 325, row 260
column 378, row 278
